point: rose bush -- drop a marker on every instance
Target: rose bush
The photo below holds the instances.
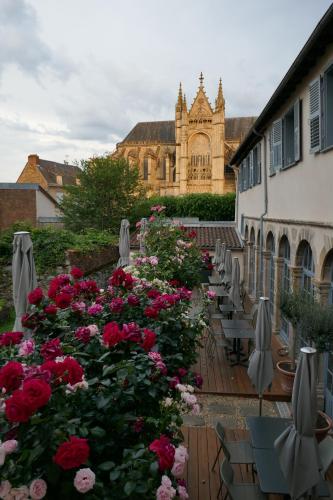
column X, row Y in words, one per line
column 93, row 395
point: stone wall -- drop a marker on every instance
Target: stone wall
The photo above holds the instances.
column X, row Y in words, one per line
column 90, row 262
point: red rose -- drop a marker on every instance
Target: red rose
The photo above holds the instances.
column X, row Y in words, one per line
column 165, row 452
column 72, row 453
column 128, row 281
column 38, row 392
column 63, row 300
column 76, row 273
column 112, row 334
column 72, row 371
column 152, row 294
column 117, row 277
column 18, row 407
column 50, row 309
column 52, row 367
column 116, row 305
column 174, row 381
column 182, row 372
column 149, row 339
column 29, row 320
column 10, row 338
column 133, row 300
column 11, row 375
column 83, row 334
column 131, row 331
column 35, row 297
column 51, row 349
column 151, row 312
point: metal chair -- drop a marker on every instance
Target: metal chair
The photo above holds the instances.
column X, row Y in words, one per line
column 237, row 491
column 236, row 452
column 213, row 343
column 326, row 454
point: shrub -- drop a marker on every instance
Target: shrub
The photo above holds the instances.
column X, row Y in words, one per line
column 205, row 206
column 50, row 244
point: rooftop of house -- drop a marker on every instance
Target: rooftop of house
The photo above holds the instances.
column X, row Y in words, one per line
column 164, row 131
column 207, row 232
column 52, row 169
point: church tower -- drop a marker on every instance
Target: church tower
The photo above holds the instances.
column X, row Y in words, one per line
column 200, row 143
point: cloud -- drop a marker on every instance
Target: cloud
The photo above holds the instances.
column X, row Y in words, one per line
column 21, row 44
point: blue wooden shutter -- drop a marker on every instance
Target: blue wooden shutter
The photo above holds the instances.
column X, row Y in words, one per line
column 250, row 159
column 277, row 144
column 271, row 168
column 259, row 163
column 297, row 130
column 314, row 90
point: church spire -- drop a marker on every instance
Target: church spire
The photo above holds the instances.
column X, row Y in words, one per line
column 180, row 97
column 201, row 80
column 219, row 102
column 184, row 108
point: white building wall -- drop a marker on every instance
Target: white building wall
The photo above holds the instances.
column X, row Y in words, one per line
column 44, row 206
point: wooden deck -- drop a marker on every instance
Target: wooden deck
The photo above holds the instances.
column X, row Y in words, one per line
column 220, row 378
column 203, row 483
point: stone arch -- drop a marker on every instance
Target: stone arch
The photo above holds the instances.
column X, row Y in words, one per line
column 258, row 238
column 326, row 270
column 246, row 232
column 252, row 235
column 270, row 242
column 199, row 156
column 284, row 246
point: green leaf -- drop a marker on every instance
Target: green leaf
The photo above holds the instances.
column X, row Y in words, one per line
column 97, row 432
column 106, row 465
column 114, row 474
column 129, row 487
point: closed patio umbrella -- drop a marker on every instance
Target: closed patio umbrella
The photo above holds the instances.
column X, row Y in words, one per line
column 217, row 252
column 223, row 251
column 24, row 275
column 297, row 446
column 234, row 292
column 227, row 269
column 143, row 229
column 260, row 368
column 124, row 244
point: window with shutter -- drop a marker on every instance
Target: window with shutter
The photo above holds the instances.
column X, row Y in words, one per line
column 240, row 180
column 297, row 130
column 277, row 144
column 271, row 168
column 259, row 163
column 315, row 110
column 327, row 108
column 250, row 162
column 255, row 164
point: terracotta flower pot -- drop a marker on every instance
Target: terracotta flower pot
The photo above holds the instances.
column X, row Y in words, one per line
column 324, row 424
column 287, row 375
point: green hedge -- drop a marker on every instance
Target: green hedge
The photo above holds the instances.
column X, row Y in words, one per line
column 205, row 206
column 50, row 244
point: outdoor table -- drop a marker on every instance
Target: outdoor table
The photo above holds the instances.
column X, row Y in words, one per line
column 237, row 335
column 229, row 309
column 264, row 430
column 271, row 478
column 215, row 280
column 219, row 290
column 240, row 324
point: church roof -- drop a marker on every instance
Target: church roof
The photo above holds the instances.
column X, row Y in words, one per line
column 51, row 169
column 152, row 132
column 164, row 131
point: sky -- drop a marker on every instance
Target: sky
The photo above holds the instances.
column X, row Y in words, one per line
column 77, row 75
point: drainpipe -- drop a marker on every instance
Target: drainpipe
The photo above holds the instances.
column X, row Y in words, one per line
column 261, row 262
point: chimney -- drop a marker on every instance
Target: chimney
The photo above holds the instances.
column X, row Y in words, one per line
column 33, row 159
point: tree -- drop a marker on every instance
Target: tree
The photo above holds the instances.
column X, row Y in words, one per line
column 106, row 192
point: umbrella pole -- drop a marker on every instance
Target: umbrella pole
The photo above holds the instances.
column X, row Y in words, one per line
column 260, row 405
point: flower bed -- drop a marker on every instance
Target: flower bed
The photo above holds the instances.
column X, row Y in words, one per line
column 92, row 401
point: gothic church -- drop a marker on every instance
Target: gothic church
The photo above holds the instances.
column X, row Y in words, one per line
column 190, row 154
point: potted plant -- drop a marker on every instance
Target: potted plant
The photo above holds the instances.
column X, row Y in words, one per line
column 292, row 308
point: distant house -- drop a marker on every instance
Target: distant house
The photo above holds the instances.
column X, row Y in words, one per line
column 50, row 175
column 27, row 202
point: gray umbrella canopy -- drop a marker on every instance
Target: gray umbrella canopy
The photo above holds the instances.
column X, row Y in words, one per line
column 234, row 292
column 24, row 275
column 227, row 268
column 223, row 251
column 297, row 446
column 260, row 368
column 124, row 244
column 143, row 229
column 217, row 252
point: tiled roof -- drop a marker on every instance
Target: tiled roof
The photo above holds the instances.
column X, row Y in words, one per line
column 164, row 131
column 206, row 236
column 51, row 169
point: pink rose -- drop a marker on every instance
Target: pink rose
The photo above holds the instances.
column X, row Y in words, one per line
column 38, row 489
column 5, row 488
column 165, row 491
column 95, row 309
column 195, row 409
column 93, row 330
column 181, row 454
column 178, row 469
column 21, row 493
column 9, row 446
column 84, row 480
column 27, row 347
column 189, row 399
column 182, row 492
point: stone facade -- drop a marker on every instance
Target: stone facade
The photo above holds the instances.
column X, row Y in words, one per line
column 51, row 176
column 190, row 154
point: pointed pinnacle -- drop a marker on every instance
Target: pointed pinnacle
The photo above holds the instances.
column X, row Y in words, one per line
column 201, row 79
column 180, row 93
